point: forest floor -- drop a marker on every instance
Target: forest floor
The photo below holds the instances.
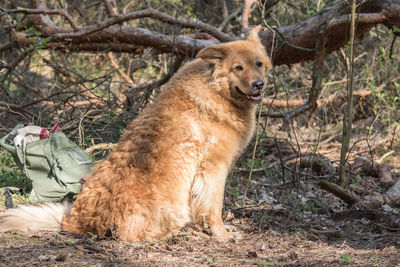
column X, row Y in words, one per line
column 281, row 223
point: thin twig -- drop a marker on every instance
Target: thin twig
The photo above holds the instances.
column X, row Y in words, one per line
column 228, row 19
column 254, row 153
column 60, row 12
column 118, row 68
column 148, row 87
column 348, row 116
column 392, row 46
column 280, row 159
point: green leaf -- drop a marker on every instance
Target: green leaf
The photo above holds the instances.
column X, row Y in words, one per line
column 208, row 259
column 346, row 258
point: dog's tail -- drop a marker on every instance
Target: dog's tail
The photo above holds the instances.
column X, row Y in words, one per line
column 27, row 218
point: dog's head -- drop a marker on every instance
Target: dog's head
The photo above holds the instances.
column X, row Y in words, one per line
column 243, row 63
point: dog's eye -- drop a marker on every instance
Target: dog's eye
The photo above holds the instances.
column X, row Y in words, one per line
column 259, row 63
column 239, row 68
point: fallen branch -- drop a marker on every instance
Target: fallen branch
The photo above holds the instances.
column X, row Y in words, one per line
column 364, row 165
column 146, row 13
column 391, row 198
column 70, row 104
column 316, row 87
column 296, row 42
column 336, row 20
column 277, row 103
column 102, row 146
column 340, row 192
column 304, row 162
column 117, row 67
column 318, row 163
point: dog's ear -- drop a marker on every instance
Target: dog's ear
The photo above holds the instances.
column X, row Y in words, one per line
column 212, row 54
column 253, row 36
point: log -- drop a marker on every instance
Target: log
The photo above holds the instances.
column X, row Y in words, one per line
column 340, row 192
column 394, row 194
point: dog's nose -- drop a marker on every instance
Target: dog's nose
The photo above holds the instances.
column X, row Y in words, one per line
column 259, row 84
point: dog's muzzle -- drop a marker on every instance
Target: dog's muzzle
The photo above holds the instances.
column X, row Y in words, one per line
column 255, row 98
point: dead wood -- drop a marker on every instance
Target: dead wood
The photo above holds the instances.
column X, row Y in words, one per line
column 336, row 19
column 295, row 43
column 391, row 197
column 102, row 146
column 316, row 87
column 313, row 38
column 278, row 103
column 318, row 163
column 394, row 194
column 364, row 165
column 340, row 192
column 385, row 174
column 120, row 71
column 246, row 13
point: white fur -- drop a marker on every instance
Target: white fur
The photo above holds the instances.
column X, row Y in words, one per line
column 27, row 218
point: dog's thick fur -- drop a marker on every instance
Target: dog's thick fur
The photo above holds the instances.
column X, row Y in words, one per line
column 171, row 163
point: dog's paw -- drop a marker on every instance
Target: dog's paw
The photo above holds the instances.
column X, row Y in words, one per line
column 225, row 236
column 230, row 228
column 237, row 235
column 233, row 230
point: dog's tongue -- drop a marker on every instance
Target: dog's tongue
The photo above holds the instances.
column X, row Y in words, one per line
column 256, row 98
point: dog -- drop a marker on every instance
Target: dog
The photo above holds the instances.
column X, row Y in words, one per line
column 170, row 166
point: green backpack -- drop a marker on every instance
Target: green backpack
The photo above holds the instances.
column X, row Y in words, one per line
column 54, row 165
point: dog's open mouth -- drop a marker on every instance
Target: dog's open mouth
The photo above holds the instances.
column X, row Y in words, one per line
column 255, row 98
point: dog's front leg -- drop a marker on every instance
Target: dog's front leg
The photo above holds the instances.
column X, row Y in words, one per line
column 207, row 200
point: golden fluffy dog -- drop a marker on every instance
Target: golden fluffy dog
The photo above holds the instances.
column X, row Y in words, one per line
column 171, row 163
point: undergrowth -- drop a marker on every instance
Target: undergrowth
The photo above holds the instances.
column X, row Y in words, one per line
column 10, row 174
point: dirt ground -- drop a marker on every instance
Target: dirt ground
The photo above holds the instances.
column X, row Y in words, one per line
column 300, row 245
column 283, row 223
